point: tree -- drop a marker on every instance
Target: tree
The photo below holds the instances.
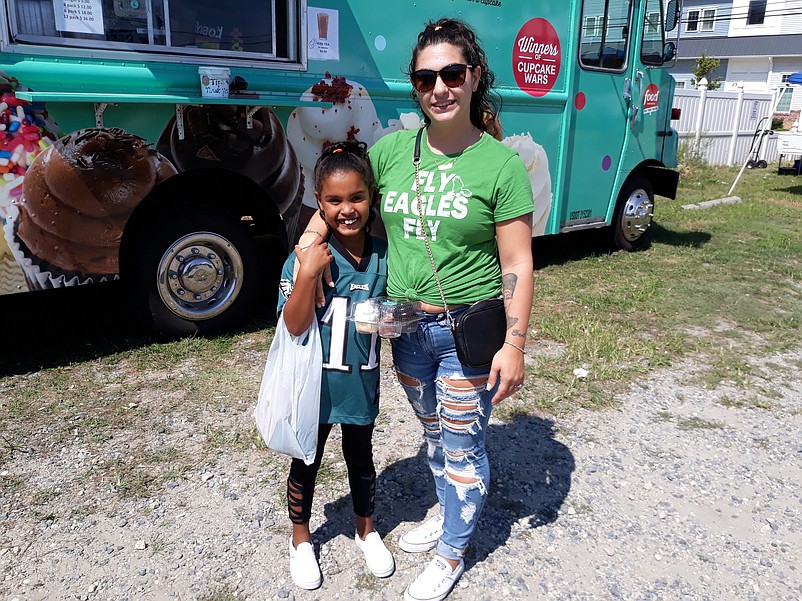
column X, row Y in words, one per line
column 705, row 65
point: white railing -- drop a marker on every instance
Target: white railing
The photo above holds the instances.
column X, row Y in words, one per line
column 726, row 127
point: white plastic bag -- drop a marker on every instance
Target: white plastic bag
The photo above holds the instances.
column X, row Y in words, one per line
column 288, row 409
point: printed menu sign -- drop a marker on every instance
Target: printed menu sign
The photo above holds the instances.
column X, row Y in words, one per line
column 79, row 16
column 324, row 34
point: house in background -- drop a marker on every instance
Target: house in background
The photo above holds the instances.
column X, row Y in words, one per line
column 759, row 44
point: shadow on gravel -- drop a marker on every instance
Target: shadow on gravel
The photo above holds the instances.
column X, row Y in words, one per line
column 51, row 328
column 531, row 477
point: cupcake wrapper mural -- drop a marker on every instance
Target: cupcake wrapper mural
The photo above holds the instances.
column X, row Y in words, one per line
column 65, row 200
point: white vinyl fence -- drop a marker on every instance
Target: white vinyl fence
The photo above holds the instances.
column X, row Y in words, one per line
column 722, row 126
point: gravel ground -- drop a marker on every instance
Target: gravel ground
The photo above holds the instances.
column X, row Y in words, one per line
column 679, row 493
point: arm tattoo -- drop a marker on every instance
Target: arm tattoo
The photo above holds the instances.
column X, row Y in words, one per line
column 508, row 283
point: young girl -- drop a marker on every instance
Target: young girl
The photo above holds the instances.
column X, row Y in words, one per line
column 345, row 191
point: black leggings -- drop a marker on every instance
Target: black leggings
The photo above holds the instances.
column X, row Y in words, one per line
column 358, row 455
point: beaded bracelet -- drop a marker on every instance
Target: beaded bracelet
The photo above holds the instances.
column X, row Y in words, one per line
column 515, row 346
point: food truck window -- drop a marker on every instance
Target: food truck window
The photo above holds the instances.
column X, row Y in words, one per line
column 651, row 52
column 202, row 27
column 605, row 44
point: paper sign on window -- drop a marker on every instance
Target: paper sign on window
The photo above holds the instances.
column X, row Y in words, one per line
column 324, row 34
column 79, row 16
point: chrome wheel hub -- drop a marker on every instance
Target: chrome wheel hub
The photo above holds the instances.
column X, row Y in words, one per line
column 200, row 275
column 637, row 215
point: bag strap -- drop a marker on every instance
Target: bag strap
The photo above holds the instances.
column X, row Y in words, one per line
column 421, row 212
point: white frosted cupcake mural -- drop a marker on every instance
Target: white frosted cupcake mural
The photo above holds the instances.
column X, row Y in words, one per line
column 351, row 116
column 537, row 166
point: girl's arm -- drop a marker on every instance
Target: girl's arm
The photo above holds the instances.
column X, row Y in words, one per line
column 517, row 281
column 299, row 310
column 315, row 235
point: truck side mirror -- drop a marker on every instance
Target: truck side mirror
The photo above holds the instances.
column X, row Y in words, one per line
column 669, row 52
column 672, row 15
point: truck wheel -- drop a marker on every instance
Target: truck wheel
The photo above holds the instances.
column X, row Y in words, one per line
column 196, row 275
column 633, row 215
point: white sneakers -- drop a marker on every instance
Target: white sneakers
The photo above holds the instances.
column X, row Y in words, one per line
column 303, row 566
column 377, row 556
column 424, row 537
column 305, row 570
column 435, row 582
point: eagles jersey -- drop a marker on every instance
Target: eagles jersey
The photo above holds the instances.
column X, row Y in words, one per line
column 350, row 385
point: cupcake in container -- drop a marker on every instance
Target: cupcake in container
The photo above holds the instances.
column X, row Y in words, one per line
column 76, row 199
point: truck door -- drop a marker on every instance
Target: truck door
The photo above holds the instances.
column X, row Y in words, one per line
column 652, row 89
column 603, row 102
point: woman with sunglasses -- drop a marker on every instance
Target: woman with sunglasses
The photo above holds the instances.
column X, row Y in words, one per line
column 477, row 212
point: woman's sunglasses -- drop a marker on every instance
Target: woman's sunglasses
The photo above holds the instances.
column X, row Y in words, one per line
column 424, row 80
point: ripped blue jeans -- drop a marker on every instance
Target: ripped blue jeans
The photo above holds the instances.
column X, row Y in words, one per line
column 451, row 402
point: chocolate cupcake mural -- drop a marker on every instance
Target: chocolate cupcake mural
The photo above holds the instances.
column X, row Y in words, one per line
column 76, row 199
column 218, row 136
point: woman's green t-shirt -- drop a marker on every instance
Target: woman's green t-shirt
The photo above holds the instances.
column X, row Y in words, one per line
column 464, row 196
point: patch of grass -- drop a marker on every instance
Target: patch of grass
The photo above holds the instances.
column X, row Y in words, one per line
column 698, row 423
column 728, row 367
column 368, row 582
column 624, row 314
column 749, row 401
column 236, row 439
column 222, row 592
column 158, row 544
column 43, row 496
column 663, row 416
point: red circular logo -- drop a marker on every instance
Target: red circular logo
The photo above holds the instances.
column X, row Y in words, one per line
column 651, row 99
column 536, row 57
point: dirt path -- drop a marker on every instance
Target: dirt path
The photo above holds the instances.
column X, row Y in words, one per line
column 680, row 493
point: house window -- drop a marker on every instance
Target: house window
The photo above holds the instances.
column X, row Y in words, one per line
column 652, row 25
column 786, row 94
column 757, row 12
column 593, row 26
column 205, row 28
column 784, row 104
column 701, row 20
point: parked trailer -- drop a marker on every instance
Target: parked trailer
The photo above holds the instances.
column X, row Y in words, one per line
column 170, row 144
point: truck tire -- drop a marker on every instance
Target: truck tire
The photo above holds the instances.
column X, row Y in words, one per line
column 634, row 210
column 194, row 275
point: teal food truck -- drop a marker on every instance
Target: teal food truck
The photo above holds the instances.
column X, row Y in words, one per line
column 170, row 144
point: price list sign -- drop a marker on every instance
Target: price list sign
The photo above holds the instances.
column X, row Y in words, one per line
column 79, row 16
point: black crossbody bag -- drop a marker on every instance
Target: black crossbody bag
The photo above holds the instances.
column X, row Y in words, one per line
column 479, row 330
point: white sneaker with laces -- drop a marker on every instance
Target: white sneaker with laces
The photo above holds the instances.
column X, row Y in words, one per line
column 424, row 537
column 377, row 556
column 303, row 566
column 435, row 582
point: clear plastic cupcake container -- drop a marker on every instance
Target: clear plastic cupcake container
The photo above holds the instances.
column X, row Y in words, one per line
column 386, row 316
